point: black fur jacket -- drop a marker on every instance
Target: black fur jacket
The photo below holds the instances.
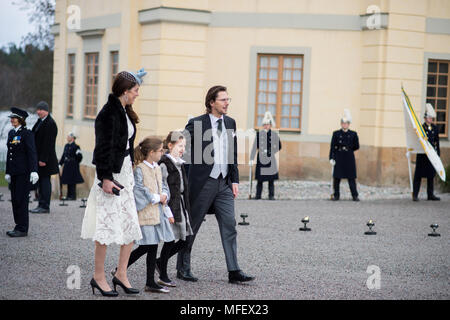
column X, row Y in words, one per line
column 111, row 134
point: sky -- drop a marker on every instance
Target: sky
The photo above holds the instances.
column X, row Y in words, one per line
column 13, row 23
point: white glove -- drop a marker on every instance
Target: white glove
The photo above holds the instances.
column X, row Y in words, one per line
column 333, row 162
column 8, row 178
column 34, row 177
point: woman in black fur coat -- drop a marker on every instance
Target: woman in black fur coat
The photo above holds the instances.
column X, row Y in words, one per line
column 112, row 217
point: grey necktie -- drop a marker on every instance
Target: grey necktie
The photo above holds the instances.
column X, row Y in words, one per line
column 219, row 127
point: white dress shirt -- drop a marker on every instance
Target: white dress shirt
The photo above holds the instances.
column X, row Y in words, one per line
column 220, row 145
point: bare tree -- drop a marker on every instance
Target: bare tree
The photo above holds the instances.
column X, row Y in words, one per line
column 41, row 13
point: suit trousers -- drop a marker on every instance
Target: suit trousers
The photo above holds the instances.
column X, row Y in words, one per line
column 215, row 192
column 20, row 190
column 351, row 184
column 45, row 192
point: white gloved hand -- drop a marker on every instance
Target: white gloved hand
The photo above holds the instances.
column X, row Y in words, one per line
column 8, row 178
column 333, row 162
column 34, row 177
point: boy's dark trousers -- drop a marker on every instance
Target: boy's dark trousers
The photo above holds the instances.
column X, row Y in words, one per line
column 72, row 191
column 259, row 188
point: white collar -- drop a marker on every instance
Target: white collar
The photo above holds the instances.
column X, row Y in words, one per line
column 151, row 165
column 17, row 129
column 214, row 118
column 176, row 160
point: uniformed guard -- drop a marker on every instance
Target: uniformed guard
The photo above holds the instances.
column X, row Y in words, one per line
column 268, row 144
column 424, row 168
column 21, row 170
column 70, row 163
column 343, row 145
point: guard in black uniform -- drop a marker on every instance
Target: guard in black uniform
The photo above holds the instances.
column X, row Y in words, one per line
column 70, row 162
column 21, row 170
column 268, row 144
column 343, row 145
column 424, row 168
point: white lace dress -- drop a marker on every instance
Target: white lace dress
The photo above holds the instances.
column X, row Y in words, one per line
column 109, row 218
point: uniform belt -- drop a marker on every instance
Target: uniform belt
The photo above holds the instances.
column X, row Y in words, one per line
column 342, row 149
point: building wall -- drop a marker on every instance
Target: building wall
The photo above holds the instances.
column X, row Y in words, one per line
column 188, row 46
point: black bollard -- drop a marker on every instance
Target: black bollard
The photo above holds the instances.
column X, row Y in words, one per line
column 84, row 200
column 305, row 221
column 63, row 204
column 370, row 224
column 1, row 197
column 244, row 223
column 434, row 226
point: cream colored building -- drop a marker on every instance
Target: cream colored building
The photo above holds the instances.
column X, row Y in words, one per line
column 305, row 60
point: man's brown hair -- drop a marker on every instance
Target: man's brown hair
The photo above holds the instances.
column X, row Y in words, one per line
column 212, row 96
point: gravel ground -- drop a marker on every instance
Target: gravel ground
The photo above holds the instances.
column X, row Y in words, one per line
column 330, row 262
column 312, row 190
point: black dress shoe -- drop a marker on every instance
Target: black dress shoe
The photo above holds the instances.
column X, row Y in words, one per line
column 239, row 276
column 355, row 199
column 415, row 198
column 39, row 210
column 434, row 198
column 186, row 276
column 16, row 234
column 116, row 282
column 271, row 198
column 109, row 294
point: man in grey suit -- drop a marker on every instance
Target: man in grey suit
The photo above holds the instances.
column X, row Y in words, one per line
column 211, row 152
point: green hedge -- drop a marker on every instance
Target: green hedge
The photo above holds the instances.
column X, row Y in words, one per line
column 3, row 182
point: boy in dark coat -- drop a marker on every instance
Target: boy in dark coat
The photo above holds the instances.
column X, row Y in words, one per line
column 70, row 161
column 343, row 145
column 268, row 144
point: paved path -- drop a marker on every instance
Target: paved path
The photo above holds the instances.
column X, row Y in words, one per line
column 330, row 262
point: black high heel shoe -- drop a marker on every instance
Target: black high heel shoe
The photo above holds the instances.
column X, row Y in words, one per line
column 116, row 282
column 110, row 294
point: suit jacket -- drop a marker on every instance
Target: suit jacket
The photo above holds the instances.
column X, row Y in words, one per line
column 198, row 173
column 111, row 136
column 45, row 133
column 21, row 157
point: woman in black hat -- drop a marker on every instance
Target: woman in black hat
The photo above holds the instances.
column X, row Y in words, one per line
column 21, row 170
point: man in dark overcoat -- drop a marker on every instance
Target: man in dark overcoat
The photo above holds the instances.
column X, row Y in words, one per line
column 45, row 132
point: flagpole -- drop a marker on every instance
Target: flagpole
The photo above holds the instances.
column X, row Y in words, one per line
column 250, row 179
column 408, row 156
